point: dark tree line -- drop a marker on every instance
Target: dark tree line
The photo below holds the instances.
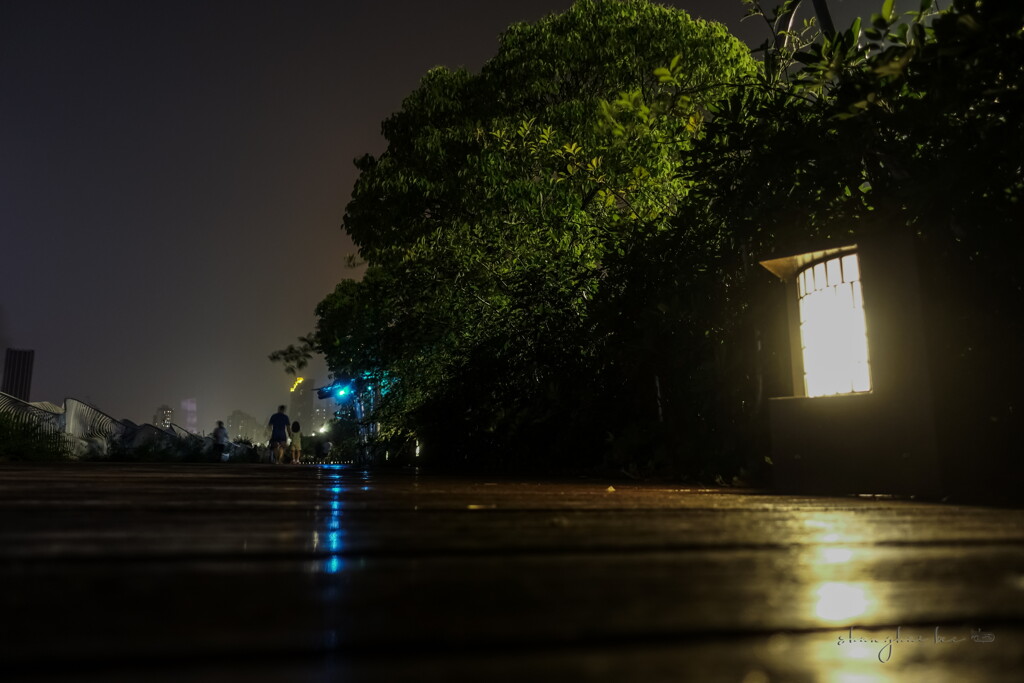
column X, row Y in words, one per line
column 563, row 249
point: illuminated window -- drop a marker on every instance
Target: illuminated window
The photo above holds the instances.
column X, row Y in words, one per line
column 833, row 333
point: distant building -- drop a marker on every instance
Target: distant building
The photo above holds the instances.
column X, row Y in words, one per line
column 191, row 415
column 242, row 425
column 307, row 408
column 301, row 404
column 18, row 373
column 322, row 415
column 164, row 417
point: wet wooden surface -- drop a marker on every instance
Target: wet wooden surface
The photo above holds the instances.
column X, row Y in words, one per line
column 227, row 572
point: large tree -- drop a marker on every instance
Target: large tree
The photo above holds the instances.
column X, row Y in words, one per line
column 493, row 222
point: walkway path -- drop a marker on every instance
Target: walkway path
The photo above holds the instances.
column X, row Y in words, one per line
column 114, row 572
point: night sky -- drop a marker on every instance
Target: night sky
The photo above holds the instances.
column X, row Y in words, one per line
column 173, row 177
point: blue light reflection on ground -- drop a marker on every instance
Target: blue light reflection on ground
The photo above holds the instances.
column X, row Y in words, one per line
column 334, row 531
column 329, row 545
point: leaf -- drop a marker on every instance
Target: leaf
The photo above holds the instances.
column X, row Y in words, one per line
column 889, row 10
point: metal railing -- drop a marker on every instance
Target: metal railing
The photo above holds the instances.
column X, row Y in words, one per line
column 83, row 431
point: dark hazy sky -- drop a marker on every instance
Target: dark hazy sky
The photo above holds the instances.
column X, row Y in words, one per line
column 173, row 177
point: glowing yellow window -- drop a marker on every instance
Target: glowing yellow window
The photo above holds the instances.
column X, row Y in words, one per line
column 833, row 333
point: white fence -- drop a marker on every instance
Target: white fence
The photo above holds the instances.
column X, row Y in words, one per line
column 85, row 431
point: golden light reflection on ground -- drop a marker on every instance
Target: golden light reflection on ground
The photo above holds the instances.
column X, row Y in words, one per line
column 835, row 599
column 836, row 555
column 841, row 603
column 848, row 677
column 832, row 531
column 882, row 655
column 843, row 529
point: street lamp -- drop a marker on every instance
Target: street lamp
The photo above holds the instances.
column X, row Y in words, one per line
column 859, row 418
column 830, row 323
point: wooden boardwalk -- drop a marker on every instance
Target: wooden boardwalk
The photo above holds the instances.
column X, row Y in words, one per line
column 117, row 572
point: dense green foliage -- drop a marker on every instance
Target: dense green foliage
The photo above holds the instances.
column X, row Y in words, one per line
column 495, row 219
column 563, row 249
column 23, row 439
